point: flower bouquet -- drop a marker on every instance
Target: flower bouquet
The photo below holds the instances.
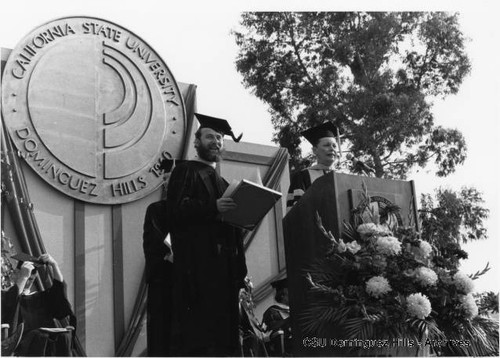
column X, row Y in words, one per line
column 383, row 283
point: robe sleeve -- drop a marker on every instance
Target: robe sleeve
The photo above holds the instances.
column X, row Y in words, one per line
column 186, row 202
column 155, row 230
column 154, row 233
column 56, row 298
column 298, row 186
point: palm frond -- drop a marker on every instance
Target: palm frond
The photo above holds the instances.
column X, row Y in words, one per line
column 434, row 332
column 481, row 336
column 316, row 319
column 426, row 329
column 353, row 328
column 361, row 328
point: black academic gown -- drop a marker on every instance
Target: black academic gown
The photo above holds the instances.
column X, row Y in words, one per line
column 10, row 298
column 299, row 183
column 209, row 264
column 39, row 310
column 158, row 278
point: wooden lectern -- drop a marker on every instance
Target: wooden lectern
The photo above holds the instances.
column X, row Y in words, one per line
column 333, row 196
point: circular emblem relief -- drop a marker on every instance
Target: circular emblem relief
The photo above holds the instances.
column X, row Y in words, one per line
column 93, row 109
column 384, row 208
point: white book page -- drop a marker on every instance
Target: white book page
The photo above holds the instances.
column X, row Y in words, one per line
column 234, row 184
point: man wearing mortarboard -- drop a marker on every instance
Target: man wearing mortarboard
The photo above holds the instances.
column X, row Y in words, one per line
column 209, row 259
column 325, row 146
column 277, row 321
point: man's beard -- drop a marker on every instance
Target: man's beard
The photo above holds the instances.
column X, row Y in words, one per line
column 206, row 153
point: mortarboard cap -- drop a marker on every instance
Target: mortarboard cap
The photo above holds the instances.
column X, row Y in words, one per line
column 217, row 124
column 279, row 284
column 22, row 257
column 327, row 129
column 25, row 257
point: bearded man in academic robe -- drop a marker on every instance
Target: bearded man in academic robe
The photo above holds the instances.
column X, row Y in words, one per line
column 209, row 260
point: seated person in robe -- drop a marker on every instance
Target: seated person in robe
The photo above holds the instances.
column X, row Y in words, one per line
column 37, row 310
column 277, row 322
column 11, row 335
column 325, row 142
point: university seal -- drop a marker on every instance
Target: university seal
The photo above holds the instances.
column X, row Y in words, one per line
column 92, row 109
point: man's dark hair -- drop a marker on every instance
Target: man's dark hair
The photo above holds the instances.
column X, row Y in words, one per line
column 197, row 134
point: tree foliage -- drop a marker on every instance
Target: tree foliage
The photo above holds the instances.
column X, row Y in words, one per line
column 373, row 74
column 453, row 216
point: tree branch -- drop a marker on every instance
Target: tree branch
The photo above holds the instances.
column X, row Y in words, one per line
column 425, row 65
column 388, row 156
column 301, row 63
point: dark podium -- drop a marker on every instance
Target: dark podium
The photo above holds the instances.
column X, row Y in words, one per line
column 334, row 197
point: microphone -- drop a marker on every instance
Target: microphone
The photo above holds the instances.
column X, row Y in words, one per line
column 360, row 165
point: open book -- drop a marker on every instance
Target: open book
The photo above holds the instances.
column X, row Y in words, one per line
column 254, row 202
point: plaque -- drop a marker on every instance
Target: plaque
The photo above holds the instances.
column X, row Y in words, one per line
column 92, row 109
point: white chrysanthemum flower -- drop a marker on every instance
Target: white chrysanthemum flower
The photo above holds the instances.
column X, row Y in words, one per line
column 388, row 245
column 469, row 305
column 353, row 247
column 367, row 229
column 425, row 276
column 418, row 305
column 383, row 230
column 425, row 248
column 373, row 229
column 341, row 247
column 378, row 286
column 463, row 282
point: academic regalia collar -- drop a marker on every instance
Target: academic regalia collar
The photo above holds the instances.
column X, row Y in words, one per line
column 319, row 166
column 211, row 164
column 283, row 307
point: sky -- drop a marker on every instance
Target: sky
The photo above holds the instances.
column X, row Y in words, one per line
column 195, row 42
